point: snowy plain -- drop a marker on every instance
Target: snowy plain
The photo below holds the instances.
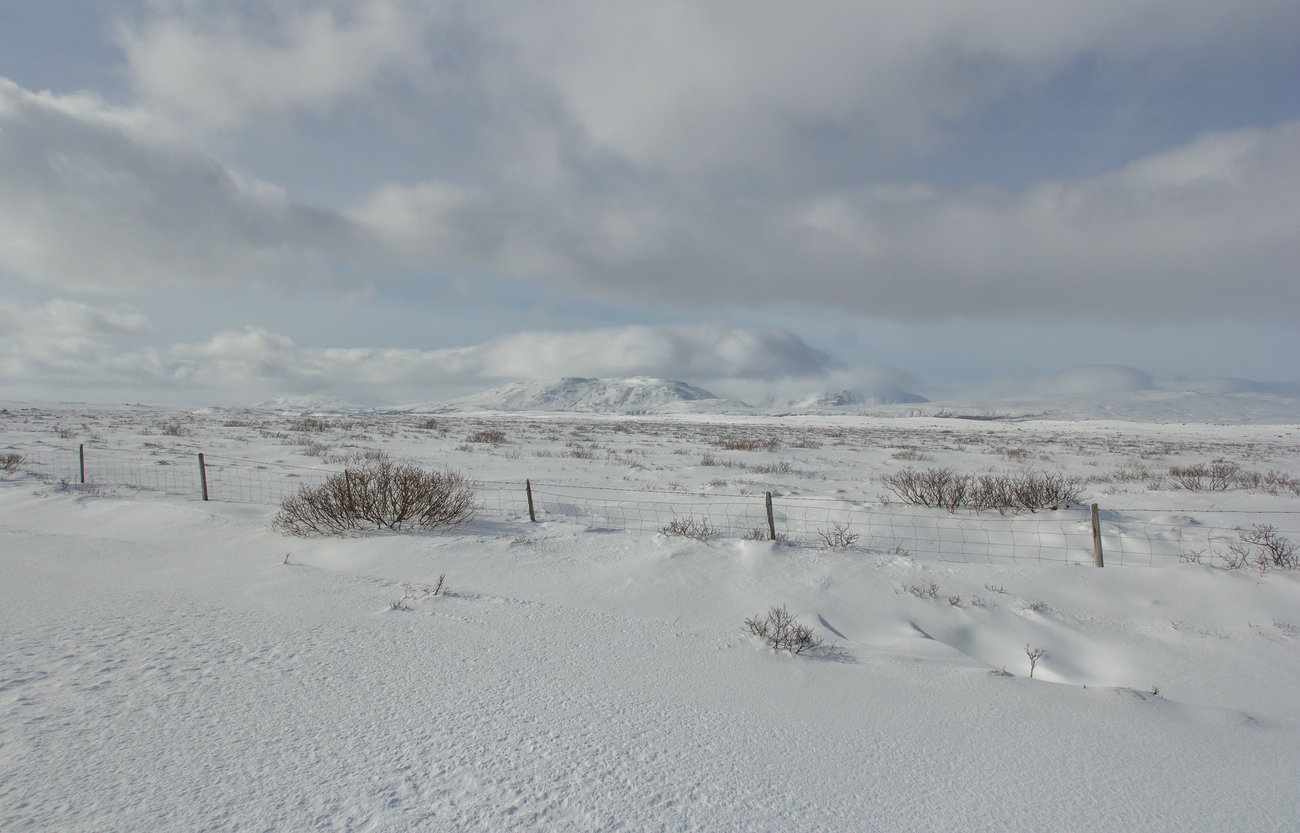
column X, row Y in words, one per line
column 174, row 664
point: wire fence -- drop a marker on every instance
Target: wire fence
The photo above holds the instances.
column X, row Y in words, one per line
column 1061, row 536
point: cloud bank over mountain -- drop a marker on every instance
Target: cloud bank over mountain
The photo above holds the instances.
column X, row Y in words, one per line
column 78, row 347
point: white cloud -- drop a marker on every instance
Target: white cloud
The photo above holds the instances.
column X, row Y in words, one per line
column 694, row 88
column 1207, row 229
column 63, row 345
column 93, row 195
column 209, row 63
column 65, row 340
column 616, row 137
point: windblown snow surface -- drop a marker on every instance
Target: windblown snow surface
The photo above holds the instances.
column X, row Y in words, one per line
column 174, row 664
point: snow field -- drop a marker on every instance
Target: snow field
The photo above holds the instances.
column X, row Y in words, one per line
column 163, row 668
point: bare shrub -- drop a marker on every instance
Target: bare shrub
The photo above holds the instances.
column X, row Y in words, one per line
column 782, row 467
column 1265, row 548
column 1191, row 478
column 488, row 435
column 734, row 443
column 358, row 456
column 690, row 527
column 579, row 453
column 174, row 429
column 923, row 591
column 1034, row 654
column 382, row 494
column 911, row 454
column 1275, row 482
column 311, row 424
column 1235, row 558
column 1035, row 606
column 1046, row 490
column 940, row 487
column 429, row 424
column 783, row 631
column 65, row 433
column 954, row 601
column 1026, row 490
column 10, row 461
column 838, row 537
column 710, row 460
column 995, row 588
column 1222, row 475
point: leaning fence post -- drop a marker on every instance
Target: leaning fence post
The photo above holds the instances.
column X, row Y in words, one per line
column 528, row 487
column 1096, row 540
column 203, row 476
column 81, row 454
column 771, row 524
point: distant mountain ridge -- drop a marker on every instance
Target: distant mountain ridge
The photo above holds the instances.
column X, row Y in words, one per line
column 576, row 394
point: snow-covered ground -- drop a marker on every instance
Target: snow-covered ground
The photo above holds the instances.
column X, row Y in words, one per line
column 174, row 664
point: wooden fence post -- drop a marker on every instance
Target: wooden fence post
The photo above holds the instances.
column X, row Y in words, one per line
column 528, row 487
column 81, row 454
column 771, row 524
column 203, row 475
column 1096, row 539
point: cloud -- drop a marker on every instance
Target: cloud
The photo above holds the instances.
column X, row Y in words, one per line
column 63, row 345
column 219, row 68
column 93, row 195
column 1094, row 379
column 680, row 152
column 678, row 87
column 64, row 340
column 1202, row 230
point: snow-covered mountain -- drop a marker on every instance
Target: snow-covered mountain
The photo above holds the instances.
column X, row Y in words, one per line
column 634, row 395
column 307, row 404
column 853, row 398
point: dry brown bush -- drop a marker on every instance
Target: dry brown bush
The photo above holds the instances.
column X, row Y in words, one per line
column 734, row 443
column 382, row 494
column 690, row 527
column 1015, row 492
column 1265, row 548
column 838, row 537
column 780, row 628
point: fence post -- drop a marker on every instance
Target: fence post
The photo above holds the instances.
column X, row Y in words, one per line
column 528, row 487
column 203, row 475
column 81, row 455
column 771, row 524
column 1096, row 540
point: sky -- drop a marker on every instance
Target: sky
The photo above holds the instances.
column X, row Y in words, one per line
column 395, row 201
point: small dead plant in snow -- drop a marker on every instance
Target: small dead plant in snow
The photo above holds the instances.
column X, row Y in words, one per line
column 783, row 631
column 929, row 590
column 838, row 537
column 690, row 527
column 1269, row 549
column 1034, row 654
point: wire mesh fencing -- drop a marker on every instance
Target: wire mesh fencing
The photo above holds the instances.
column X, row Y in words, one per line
column 1064, row 535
